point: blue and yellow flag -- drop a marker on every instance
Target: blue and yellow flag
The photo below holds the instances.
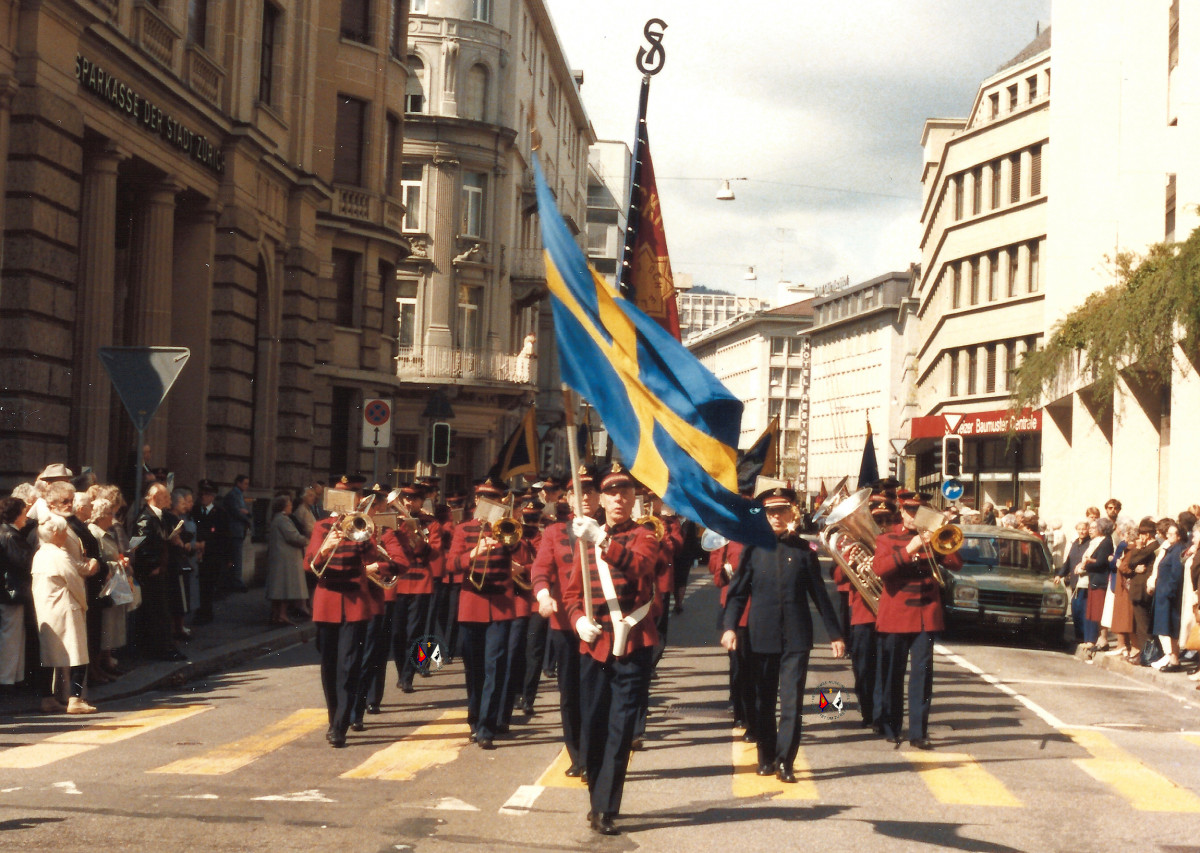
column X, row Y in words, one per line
column 673, row 422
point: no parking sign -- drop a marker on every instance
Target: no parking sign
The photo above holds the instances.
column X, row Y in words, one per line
column 376, row 428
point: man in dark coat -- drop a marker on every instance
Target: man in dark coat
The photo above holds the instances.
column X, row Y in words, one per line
column 151, row 534
column 780, row 628
column 213, row 542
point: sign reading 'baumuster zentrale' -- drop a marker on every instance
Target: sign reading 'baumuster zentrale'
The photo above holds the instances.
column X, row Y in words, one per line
column 123, row 98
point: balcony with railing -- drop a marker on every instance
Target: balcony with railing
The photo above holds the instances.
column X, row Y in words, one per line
column 438, row 363
column 527, row 265
column 356, row 203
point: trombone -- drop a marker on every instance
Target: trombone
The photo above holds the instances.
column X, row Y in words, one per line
column 945, row 538
column 495, row 519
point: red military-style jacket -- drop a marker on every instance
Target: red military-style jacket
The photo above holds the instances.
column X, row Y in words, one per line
column 729, row 553
column 860, row 613
column 522, row 570
column 552, row 567
column 343, row 593
column 492, row 599
column 911, row 599
column 631, row 555
column 421, row 564
column 446, row 527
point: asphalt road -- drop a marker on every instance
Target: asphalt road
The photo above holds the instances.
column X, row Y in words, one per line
column 1035, row 752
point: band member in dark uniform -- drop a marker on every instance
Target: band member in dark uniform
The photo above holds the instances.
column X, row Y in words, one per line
column 909, row 620
column 485, row 614
column 613, row 672
column 781, row 630
column 150, row 571
column 420, row 567
column 536, row 644
column 342, row 606
column 552, row 569
column 378, row 642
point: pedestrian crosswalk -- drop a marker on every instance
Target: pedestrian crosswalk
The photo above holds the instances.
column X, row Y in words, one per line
column 952, row 776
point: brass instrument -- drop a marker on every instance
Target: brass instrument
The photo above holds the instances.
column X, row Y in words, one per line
column 648, row 520
column 945, row 538
column 355, row 526
column 849, row 537
column 496, row 519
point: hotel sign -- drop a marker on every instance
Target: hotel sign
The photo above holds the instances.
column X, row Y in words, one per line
column 122, row 97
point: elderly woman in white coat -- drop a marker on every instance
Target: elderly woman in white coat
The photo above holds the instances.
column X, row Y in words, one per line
column 60, row 601
column 285, row 562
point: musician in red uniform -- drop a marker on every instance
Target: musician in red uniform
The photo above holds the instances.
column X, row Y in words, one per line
column 909, row 620
column 485, row 614
column 537, row 658
column 660, row 611
column 613, row 672
column 518, row 636
column 342, row 605
column 552, row 569
column 443, row 620
column 378, row 642
column 722, row 564
column 420, row 566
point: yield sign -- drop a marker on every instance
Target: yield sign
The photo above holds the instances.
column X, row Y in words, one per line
column 952, row 422
column 143, row 376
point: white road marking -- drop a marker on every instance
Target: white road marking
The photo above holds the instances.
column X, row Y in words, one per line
column 9, row 790
column 311, row 796
column 1080, row 685
column 68, row 788
column 522, row 800
column 452, row 804
column 197, row 797
column 1048, row 718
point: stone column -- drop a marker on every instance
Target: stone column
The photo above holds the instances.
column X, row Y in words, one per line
column 8, row 89
column 94, row 296
column 440, row 292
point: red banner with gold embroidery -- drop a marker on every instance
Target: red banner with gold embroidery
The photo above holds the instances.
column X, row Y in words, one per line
column 649, row 283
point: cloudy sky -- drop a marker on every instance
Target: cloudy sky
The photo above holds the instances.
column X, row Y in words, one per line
column 819, row 104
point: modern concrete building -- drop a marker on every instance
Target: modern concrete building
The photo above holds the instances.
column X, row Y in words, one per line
column 763, row 358
column 980, row 288
column 702, row 310
column 475, row 331
column 1127, row 109
column 214, row 175
column 610, row 165
column 862, row 367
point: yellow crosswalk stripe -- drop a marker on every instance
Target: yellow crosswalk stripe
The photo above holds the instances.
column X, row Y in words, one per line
column 73, row 743
column 554, row 778
column 957, row 779
column 1192, row 739
column 747, row 782
column 428, row 746
column 239, row 753
column 1145, row 789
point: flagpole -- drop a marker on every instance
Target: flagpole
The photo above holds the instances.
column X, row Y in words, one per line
column 649, row 62
column 573, row 455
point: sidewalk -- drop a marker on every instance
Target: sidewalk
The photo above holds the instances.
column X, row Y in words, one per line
column 1175, row 683
column 238, row 633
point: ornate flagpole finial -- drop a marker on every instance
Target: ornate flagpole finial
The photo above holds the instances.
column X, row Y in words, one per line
column 651, row 61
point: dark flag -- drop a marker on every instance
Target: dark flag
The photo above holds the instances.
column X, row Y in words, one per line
column 822, row 494
column 762, row 458
column 646, row 278
column 868, row 471
column 519, row 454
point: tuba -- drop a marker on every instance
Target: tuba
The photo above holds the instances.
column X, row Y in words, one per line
column 849, row 537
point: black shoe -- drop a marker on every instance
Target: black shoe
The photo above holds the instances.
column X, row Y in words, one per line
column 583, row 775
column 895, row 741
column 173, row 655
column 739, row 723
column 574, row 771
column 749, row 737
column 373, row 709
column 785, row 774
column 486, row 743
column 358, row 726
column 406, row 687
column 922, row 743
column 502, row 729
column 330, row 734
column 638, row 744
column 473, row 738
column 1172, row 667
column 877, row 728
column 338, row 741
column 603, row 824
column 765, row 770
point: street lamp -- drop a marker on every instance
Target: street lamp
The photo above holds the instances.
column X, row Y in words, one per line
column 725, row 193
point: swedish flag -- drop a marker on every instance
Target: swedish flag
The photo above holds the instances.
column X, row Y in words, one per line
column 673, row 422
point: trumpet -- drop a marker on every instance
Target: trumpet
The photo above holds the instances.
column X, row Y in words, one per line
column 495, row 519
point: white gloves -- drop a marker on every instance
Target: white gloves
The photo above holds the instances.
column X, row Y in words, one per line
column 728, row 570
column 587, row 529
column 587, row 629
column 543, row 595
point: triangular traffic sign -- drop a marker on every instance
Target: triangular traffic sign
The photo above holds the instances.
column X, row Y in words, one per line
column 143, row 376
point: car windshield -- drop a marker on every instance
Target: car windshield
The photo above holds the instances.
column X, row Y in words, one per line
column 1009, row 555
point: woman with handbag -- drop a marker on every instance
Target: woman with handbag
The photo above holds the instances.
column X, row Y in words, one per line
column 1121, row 619
column 1136, row 573
column 113, row 619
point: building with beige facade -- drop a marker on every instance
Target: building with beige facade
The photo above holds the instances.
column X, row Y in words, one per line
column 610, row 168
column 210, row 174
column 862, row 368
column 475, row 330
column 980, row 289
column 1127, row 108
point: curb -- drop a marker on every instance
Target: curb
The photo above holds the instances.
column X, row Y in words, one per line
column 1175, row 683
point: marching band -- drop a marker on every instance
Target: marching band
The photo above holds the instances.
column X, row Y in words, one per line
column 593, row 576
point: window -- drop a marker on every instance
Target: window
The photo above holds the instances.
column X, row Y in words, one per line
column 481, row 10
column 475, row 100
column 266, row 56
column 1013, row 258
column 1031, row 84
column 356, row 20
column 958, row 197
column 407, row 446
column 776, row 377
column 1034, row 271
column 417, row 6
column 345, row 280
column 994, row 103
column 396, row 34
column 197, row 22
column 989, row 376
column 1035, row 170
column 410, row 195
column 793, row 379
column 473, row 191
column 774, row 407
column 972, row 371
column 792, row 407
column 392, row 146
column 995, row 184
column 414, row 88
column 1010, row 364
column 953, row 356
column 974, row 284
column 468, row 316
column 406, row 313
column 778, row 346
column 993, row 276
column 343, row 407
column 977, row 191
column 1012, row 97
column 1169, row 228
column 956, row 287
column 1014, row 183
column 1173, row 36
column 350, row 141
column 552, row 102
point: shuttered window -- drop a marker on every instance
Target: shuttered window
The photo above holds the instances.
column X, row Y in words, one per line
column 1035, row 171
column 348, row 156
column 1014, row 184
column 990, row 377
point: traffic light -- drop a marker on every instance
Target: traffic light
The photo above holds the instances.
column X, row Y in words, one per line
column 952, row 446
column 439, row 453
column 894, row 467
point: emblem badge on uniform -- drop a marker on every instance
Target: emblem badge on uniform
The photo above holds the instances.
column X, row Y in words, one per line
column 428, row 655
